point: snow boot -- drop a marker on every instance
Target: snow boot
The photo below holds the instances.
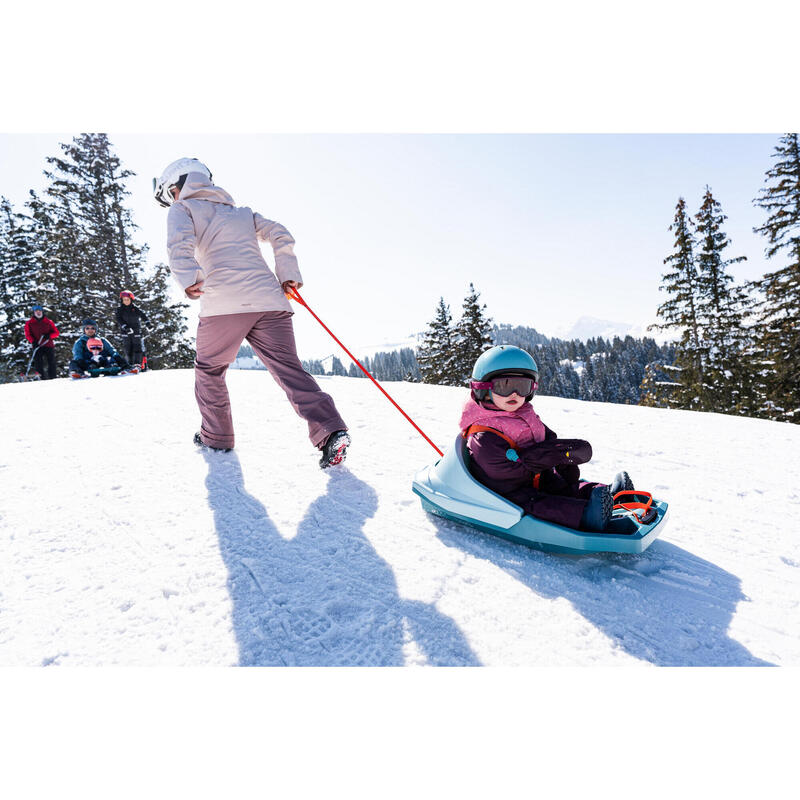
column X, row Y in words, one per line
column 200, row 443
column 78, row 375
column 597, row 513
column 622, row 483
column 334, row 451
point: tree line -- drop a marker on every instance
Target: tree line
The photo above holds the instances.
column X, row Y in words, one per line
column 72, row 249
column 600, row 370
column 739, row 346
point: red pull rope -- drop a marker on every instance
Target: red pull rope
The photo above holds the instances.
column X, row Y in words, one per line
column 295, row 295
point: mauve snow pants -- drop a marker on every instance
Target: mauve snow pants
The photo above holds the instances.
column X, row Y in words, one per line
column 271, row 336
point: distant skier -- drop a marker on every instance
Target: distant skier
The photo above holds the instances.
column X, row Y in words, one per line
column 40, row 332
column 214, row 255
column 129, row 318
column 93, row 352
column 516, row 455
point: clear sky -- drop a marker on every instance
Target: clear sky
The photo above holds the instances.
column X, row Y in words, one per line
column 548, row 227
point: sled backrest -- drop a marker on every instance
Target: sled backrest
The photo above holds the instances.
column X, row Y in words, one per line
column 449, row 484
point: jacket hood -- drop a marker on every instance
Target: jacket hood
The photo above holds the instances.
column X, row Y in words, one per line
column 199, row 187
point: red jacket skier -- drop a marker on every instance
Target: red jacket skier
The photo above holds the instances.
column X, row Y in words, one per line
column 40, row 332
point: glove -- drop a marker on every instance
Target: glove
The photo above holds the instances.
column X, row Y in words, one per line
column 126, row 330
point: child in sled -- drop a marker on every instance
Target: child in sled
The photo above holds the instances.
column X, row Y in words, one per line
column 93, row 352
column 516, row 455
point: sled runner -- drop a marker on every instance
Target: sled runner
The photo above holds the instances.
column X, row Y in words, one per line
column 447, row 489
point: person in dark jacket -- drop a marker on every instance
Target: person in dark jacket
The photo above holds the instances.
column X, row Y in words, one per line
column 516, row 455
column 40, row 332
column 85, row 359
column 130, row 318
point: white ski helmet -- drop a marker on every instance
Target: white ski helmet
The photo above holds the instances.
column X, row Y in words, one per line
column 175, row 175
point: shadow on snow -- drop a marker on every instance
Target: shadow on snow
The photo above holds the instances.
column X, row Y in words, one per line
column 665, row 605
column 325, row 597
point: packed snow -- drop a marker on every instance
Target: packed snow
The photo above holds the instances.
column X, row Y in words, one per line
column 121, row 543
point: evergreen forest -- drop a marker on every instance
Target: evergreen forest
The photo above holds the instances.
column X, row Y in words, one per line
column 734, row 347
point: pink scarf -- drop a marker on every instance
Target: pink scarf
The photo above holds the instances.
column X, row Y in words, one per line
column 522, row 425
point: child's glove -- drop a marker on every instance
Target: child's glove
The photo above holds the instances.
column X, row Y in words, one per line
column 551, row 453
column 512, row 454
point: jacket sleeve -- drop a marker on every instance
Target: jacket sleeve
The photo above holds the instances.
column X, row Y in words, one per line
column 181, row 242
column 77, row 350
column 54, row 331
column 282, row 243
column 28, row 335
column 489, row 452
column 552, row 452
column 108, row 348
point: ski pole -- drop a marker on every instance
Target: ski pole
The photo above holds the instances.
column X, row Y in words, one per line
column 295, row 295
column 33, row 354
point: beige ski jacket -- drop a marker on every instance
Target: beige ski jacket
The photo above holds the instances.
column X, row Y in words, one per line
column 210, row 239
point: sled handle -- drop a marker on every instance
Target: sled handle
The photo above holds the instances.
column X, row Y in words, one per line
column 293, row 294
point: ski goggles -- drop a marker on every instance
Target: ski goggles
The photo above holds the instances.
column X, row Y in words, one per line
column 507, row 385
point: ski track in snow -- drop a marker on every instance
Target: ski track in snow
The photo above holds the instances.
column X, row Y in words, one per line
column 122, row 544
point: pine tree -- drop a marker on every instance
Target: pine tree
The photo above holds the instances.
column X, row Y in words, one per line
column 656, row 389
column 18, row 290
column 778, row 327
column 166, row 345
column 680, row 311
column 472, row 335
column 436, row 354
column 337, row 368
column 720, row 313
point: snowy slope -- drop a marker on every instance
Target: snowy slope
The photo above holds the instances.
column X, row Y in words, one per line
column 121, row 543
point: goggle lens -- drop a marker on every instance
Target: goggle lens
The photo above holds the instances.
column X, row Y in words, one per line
column 506, row 386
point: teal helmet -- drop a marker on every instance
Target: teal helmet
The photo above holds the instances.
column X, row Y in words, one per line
column 503, row 359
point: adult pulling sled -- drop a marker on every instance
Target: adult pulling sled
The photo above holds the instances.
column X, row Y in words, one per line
column 448, row 490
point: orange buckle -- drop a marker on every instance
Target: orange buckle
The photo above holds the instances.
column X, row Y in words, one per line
column 640, row 504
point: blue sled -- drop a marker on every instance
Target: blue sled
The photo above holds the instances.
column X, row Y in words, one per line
column 448, row 490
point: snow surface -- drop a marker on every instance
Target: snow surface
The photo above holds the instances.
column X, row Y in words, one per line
column 123, row 544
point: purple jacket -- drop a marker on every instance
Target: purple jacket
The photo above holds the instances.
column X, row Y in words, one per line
column 504, row 470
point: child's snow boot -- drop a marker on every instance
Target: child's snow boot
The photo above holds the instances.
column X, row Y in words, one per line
column 598, row 510
column 200, row 443
column 334, row 451
column 622, row 483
